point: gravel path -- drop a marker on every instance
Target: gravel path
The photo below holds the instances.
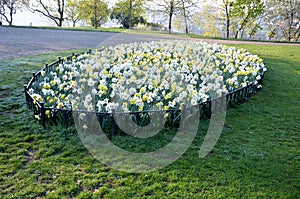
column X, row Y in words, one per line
column 19, row 42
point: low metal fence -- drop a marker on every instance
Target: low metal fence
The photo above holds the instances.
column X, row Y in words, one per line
column 64, row 117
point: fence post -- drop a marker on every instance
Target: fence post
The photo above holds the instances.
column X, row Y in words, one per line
column 47, row 68
column 113, row 123
column 34, row 76
column 183, row 114
column 26, row 95
column 66, row 118
column 43, row 115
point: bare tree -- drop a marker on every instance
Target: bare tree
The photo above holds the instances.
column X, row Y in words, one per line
column 8, row 8
column 52, row 9
column 186, row 5
column 169, row 8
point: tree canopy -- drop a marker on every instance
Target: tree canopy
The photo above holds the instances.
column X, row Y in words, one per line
column 94, row 12
column 129, row 12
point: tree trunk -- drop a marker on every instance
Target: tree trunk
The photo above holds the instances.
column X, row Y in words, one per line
column 185, row 18
column 130, row 15
column 61, row 13
column 74, row 24
column 227, row 21
column 297, row 34
column 236, row 34
column 95, row 16
column 10, row 15
column 241, row 28
column 170, row 16
column 170, row 23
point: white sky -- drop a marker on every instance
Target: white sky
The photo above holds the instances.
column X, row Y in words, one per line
column 25, row 18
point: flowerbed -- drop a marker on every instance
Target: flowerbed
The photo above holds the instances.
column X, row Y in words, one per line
column 139, row 77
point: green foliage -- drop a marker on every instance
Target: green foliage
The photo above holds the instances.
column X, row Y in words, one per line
column 257, row 155
column 129, row 12
column 72, row 11
column 246, row 11
column 94, row 12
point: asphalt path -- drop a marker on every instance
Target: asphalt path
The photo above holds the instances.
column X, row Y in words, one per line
column 20, row 42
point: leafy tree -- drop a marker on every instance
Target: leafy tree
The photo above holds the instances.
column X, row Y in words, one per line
column 253, row 27
column 129, row 12
column 52, row 9
column 72, row 11
column 220, row 10
column 94, row 12
column 271, row 33
column 246, row 11
column 8, row 8
column 284, row 17
column 206, row 21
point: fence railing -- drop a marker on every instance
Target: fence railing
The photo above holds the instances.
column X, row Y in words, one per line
column 64, row 117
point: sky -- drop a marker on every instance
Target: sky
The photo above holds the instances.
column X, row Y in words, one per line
column 25, row 18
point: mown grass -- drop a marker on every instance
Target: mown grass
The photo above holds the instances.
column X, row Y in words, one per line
column 257, row 155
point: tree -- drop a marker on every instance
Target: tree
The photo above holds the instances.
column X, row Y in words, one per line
column 186, row 5
column 284, row 16
column 253, row 27
column 129, row 12
column 205, row 20
column 169, row 8
column 8, row 8
column 94, row 12
column 227, row 4
column 221, row 11
column 246, row 11
column 72, row 11
column 52, row 9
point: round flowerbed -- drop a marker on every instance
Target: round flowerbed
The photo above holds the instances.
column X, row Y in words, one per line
column 142, row 77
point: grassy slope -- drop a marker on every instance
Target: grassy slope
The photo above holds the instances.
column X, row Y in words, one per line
column 257, row 156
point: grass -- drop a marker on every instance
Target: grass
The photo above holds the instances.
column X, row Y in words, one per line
column 241, row 39
column 257, row 155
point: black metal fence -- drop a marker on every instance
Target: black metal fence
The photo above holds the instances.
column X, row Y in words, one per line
column 64, row 117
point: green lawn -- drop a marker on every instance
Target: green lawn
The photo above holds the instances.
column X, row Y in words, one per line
column 257, row 156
